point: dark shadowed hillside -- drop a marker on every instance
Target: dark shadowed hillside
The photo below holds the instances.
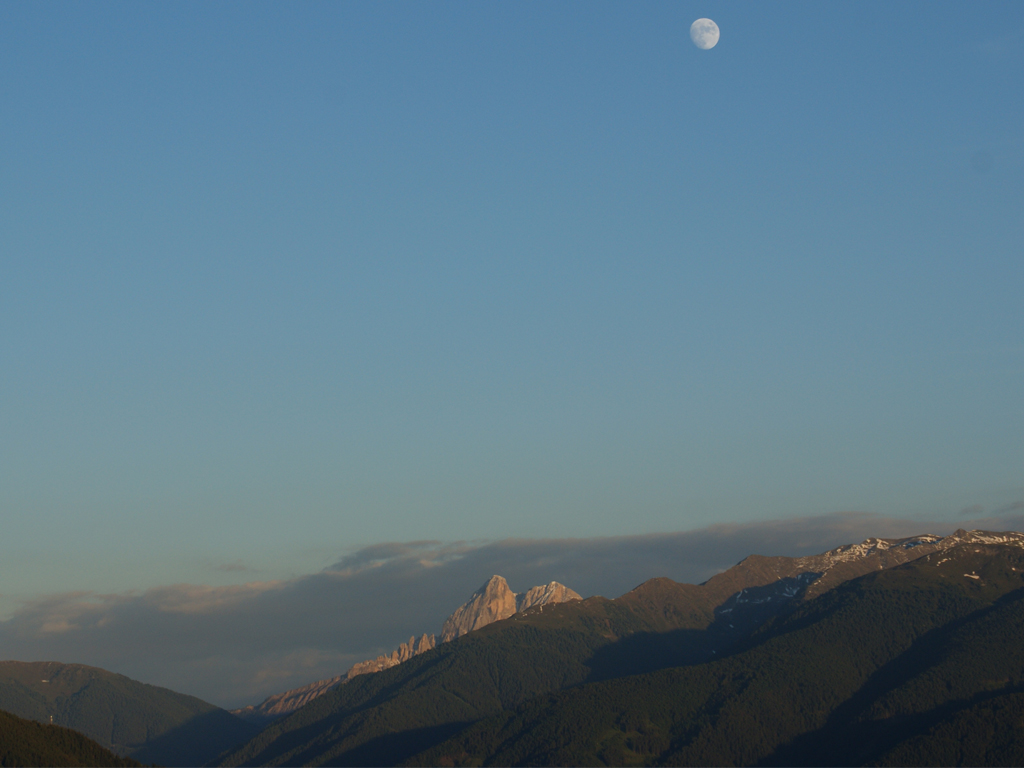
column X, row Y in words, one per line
column 28, row 743
column 516, row 667
column 895, row 667
column 152, row 724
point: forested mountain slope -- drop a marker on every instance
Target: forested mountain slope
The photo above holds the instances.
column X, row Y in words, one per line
column 897, row 667
column 494, row 601
column 391, row 716
column 150, row 723
column 26, row 742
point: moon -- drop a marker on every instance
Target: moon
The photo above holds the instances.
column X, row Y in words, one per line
column 704, row 33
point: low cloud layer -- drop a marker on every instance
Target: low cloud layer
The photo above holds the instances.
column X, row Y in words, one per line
column 235, row 645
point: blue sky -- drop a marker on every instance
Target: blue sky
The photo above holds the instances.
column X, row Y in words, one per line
column 279, row 281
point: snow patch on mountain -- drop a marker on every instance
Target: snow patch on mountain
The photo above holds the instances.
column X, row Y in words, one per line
column 928, row 542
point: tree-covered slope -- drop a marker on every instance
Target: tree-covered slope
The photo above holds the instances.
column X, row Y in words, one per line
column 149, row 723
column 28, row 743
column 502, row 665
column 987, row 733
column 873, row 671
column 661, row 624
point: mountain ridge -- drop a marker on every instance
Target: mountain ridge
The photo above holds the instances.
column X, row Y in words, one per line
column 128, row 717
column 658, row 625
column 492, row 602
column 862, row 674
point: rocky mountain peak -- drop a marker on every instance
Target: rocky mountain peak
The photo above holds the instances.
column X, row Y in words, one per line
column 552, row 592
column 494, row 601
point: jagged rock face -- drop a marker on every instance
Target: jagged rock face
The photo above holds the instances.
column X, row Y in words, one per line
column 405, row 652
column 281, row 704
column 552, row 592
column 494, row 601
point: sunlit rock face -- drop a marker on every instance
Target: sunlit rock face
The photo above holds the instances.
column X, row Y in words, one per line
column 405, row 652
column 548, row 593
column 495, row 601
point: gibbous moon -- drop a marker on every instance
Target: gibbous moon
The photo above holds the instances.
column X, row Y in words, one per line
column 704, row 33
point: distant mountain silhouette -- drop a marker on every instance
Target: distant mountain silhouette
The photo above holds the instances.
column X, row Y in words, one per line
column 151, row 724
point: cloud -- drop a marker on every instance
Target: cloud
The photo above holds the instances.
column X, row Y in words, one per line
column 234, row 645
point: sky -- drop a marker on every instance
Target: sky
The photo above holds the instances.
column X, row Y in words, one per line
column 283, row 282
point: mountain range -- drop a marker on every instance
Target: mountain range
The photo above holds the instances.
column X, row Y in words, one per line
column 897, row 667
column 494, row 601
column 887, row 652
column 815, row 660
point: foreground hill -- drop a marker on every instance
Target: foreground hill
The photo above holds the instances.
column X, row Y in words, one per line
column 396, row 715
column 25, row 742
column 152, row 724
column 919, row 665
